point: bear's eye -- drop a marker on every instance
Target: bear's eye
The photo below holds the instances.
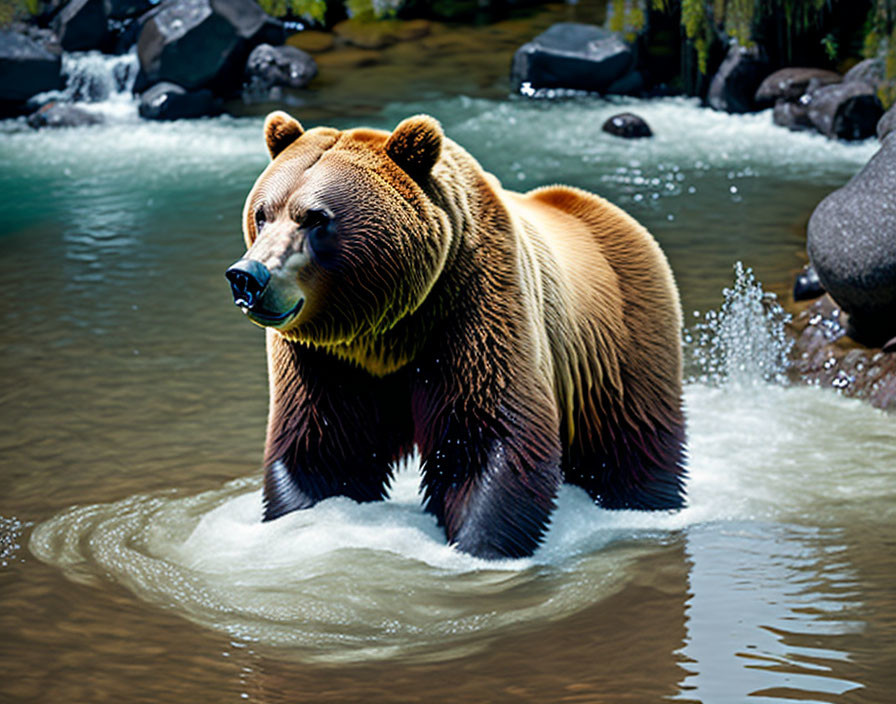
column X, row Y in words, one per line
column 320, row 232
column 260, row 219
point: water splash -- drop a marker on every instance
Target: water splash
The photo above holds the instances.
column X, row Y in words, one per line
column 744, row 342
column 10, row 539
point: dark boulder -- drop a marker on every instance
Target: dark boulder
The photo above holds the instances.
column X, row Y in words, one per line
column 26, row 69
column 81, row 25
column 887, row 123
column 794, row 115
column 791, row 83
column 628, row 125
column 807, row 285
column 845, row 110
column 733, row 87
column 123, row 9
column 167, row 101
column 571, row 55
column 199, row 43
column 281, row 66
column 62, row 115
column 852, row 247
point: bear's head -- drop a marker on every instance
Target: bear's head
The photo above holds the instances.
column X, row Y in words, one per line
column 344, row 239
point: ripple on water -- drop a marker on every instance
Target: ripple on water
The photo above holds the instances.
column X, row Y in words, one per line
column 346, row 581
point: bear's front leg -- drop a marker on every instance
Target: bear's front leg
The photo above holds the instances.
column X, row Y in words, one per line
column 491, row 466
column 333, row 429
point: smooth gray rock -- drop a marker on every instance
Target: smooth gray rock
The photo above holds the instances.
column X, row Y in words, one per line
column 199, row 43
column 852, row 246
column 794, row 115
column 628, row 125
column 887, row 123
column 791, row 83
column 61, row 115
column 285, row 66
column 870, row 72
column 168, row 101
column 733, row 87
column 574, row 56
column 81, row 25
column 26, row 69
column 847, row 111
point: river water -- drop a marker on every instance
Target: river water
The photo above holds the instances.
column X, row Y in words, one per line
column 133, row 566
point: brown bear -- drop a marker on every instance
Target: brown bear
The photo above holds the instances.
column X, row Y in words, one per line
column 517, row 340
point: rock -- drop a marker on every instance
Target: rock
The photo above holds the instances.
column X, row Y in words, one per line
column 871, row 72
column 282, row 66
column 380, row 34
column 887, row 123
column 81, row 25
column 311, row 41
column 628, row 125
column 123, row 9
column 26, row 69
column 807, row 286
column 631, row 83
column 199, row 43
column 792, row 115
column 168, row 101
column 571, row 55
column 845, row 111
column 344, row 59
column 822, row 356
column 791, row 83
column 62, row 115
column 852, row 247
column 733, row 87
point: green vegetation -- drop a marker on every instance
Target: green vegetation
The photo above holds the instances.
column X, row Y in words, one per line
column 313, row 10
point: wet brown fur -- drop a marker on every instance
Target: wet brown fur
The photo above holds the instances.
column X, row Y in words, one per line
column 518, row 340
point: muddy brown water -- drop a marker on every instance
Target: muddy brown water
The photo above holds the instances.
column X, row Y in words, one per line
column 132, row 564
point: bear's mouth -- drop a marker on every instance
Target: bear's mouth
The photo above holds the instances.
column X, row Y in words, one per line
column 268, row 319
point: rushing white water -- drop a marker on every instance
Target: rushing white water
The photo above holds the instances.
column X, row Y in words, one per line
column 344, row 581
column 100, row 83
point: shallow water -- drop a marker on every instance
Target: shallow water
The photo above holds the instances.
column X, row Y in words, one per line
column 132, row 564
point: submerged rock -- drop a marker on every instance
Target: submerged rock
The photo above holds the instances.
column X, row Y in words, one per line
column 574, row 56
column 851, row 245
column 628, row 125
column 733, row 87
column 791, row 83
column 26, row 69
column 270, row 66
column 847, row 111
column 198, row 43
column 62, row 115
column 168, row 101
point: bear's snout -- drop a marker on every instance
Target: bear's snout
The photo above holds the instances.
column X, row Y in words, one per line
column 248, row 280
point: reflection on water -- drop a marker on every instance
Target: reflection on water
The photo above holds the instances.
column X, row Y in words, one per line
column 135, row 395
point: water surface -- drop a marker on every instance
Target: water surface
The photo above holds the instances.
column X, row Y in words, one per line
column 132, row 563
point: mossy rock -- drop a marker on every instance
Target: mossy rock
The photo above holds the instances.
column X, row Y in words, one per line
column 378, row 35
column 312, row 41
column 348, row 58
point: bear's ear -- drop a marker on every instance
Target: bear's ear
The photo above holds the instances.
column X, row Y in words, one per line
column 281, row 130
column 416, row 145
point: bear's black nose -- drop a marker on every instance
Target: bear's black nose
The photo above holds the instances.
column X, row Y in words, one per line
column 248, row 279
